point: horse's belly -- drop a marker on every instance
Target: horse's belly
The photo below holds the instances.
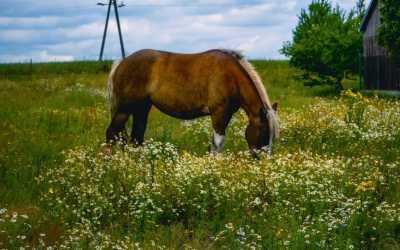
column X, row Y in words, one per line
column 183, row 102
column 186, row 115
column 181, row 110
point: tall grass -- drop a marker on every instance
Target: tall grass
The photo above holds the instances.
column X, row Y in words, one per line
column 332, row 181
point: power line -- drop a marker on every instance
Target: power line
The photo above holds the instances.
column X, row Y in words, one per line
column 116, row 6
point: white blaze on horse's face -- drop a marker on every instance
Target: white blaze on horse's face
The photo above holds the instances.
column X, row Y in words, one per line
column 217, row 142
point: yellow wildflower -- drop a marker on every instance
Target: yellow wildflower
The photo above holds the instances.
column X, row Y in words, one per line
column 365, row 186
column 279, row 232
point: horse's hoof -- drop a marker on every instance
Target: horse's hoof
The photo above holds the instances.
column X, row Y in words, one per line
column 254, row 154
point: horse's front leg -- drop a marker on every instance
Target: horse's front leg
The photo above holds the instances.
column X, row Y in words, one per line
column 217, row 142
column 220, row 118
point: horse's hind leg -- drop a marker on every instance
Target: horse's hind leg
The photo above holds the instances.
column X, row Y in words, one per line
column 116, row 130
column 140, row 116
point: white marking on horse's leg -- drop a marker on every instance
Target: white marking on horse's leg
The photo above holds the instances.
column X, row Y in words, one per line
column 217, row 142
column 269, row 150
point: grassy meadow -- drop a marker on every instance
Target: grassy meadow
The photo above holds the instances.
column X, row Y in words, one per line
column 331, row 183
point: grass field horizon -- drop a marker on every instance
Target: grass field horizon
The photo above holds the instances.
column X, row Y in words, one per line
column 331, row 183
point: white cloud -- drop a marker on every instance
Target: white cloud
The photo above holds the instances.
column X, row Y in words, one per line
column 89, row 30
column 37, row 56
column 19, row 35
column 249, row 44
column 43, row 56
column 259, row 29
column 43, row 21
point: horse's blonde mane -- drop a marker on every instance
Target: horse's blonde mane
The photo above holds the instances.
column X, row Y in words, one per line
column 256, row 79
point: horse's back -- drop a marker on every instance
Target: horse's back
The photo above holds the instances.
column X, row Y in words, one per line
column 182, row 85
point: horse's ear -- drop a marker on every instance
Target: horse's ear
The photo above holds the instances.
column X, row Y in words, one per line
column 275, row 106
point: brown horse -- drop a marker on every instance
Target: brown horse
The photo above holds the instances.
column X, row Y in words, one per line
column 187, row 86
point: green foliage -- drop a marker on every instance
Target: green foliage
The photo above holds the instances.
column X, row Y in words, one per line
column 326, row 43
column 389, row 30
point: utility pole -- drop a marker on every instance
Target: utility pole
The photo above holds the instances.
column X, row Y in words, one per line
column 116, row 6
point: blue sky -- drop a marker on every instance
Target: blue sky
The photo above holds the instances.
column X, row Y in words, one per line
column 72, row 29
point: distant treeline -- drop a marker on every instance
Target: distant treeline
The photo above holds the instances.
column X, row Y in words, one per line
column 77, row 67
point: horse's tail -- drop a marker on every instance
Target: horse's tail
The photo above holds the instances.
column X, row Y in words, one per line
column 110, row 84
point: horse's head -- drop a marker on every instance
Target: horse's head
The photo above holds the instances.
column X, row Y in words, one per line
column 261, row 132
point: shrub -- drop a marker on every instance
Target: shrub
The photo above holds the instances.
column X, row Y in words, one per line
column 326, row 43
column 389, row 30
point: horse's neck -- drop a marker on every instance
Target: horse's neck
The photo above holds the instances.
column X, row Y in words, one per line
column 251, row 103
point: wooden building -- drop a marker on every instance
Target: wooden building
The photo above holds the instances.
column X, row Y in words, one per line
column 379, row 71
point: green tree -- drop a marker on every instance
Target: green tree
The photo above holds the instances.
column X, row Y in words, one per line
column 389, row 30
column 326, row 42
